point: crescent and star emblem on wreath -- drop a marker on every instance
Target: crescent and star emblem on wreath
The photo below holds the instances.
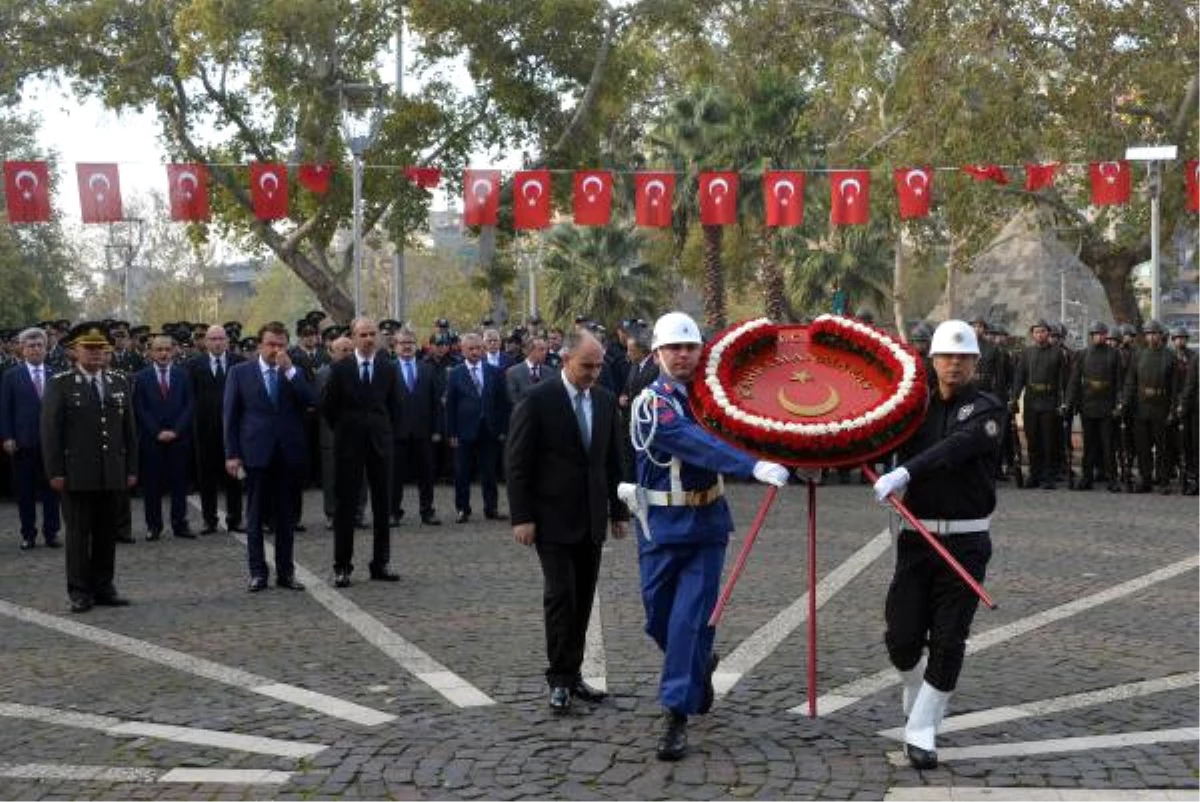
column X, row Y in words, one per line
column 808, row 410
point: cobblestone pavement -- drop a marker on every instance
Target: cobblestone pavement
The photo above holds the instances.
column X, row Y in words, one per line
column 1085, row 677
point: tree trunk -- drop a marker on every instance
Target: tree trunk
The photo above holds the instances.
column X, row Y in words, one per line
column 714, row 279
column 898, row 288
column 951, row 285
column 771, row 277
column 1113, row 268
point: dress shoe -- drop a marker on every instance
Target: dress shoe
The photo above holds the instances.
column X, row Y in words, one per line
column 126, row 539
column 1165, row 490
column 80, row 605
column 341, row 579
column 921, row 759
column 495, row 516
column 236, row 527
column 1082, row 485
column 111, row 601
column 26, row 545
column 52, row 542
column 361, row 523
column 394, row 519
column 299, row 528
column 462, row 517
column 1142, row 488
column 384, row 574
column 430, row 520
column 153, row 535
column 257, row 583
column 186, row 534
column 209, row 529
column 710, row 693
column 289, row 582
column 672, row 745
column 1049, row 486
column 581, row 690
column 560, row 699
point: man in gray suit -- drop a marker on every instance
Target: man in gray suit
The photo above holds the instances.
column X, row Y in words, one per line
column 526, row 373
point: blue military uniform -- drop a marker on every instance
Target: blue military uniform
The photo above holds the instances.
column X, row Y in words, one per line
column 679, row 467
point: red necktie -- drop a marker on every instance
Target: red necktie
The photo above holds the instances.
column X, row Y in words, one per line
column 163, row 387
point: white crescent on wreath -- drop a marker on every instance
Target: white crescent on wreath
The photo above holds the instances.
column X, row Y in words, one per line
column 906, row 400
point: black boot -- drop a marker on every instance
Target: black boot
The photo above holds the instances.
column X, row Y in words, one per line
column 673, row 744
column 710, row 692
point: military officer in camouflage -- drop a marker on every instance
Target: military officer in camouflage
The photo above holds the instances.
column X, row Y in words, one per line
column 1148, row 394
column 89, row 444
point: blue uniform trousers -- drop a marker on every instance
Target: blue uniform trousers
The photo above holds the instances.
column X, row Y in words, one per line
column 680, row 584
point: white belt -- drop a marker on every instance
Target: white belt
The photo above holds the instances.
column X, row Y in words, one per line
column 938, row 526
column 685, row 498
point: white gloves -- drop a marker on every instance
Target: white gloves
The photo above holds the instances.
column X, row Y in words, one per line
column 891, row 482
column 771, row 473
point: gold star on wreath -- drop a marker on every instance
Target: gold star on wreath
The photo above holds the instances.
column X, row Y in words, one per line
column 801, row 376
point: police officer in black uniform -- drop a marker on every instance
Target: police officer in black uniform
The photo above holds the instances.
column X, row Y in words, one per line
column 1041, row 375
column 948, row 469
column 1094, row 392
column 89, row 444
column 1186, row 410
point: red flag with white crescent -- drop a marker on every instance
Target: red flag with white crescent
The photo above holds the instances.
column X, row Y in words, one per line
column 653, row 198
column 1039, row 176
column 914, row 188
column 424, row 177
column 531, row 199
column 850, row 197
column 315, row 177
column 1192, row 182
column 269, row 190
column 783, row 192
column 593, row 197
column 481, row 197
column 99, row 193
column 1110, row 183
column 27, row 192
column 187, row 189
column 718, row 198
column 986, row 172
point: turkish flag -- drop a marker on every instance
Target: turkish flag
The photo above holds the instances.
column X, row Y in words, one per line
column 1191, row 180
column 1110, row 183
column 1039, row 176
column 986, row 172
column 718, row 198
column 187, row 188
column 531, row 199
column 783, row 192
column 269, row 190
column 99, row 193
column 914, row 188
column 27, row 191
column 481, row 197
column 315, row 177
column 653, row 196
column 593, row 197
column 424, row 177
column 850, row 197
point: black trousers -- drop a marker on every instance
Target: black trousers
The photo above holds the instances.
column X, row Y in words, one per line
column 92, row 520
column 1042, row 431
column 413, row 461
column 29, row 479
column 271, row 492
column 211, row 478
column 1098, row 454
column 1150, row 439
column 348, row 473
column 927, row 604
column 569, row 571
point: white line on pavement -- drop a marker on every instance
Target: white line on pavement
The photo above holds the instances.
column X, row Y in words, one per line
column 191, row 735
column 855, row 691
column 230, row 776
column 405, row 654
column 1059, row 704
column 1053, row 746
column 767, row 638
column 594, row 667
column 50, row 771
column 200, row 667
column 998, row 793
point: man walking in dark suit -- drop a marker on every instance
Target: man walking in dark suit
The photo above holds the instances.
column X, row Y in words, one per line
column 207, row 373
column 521, row 377
column 21, row 391
column 564, row 464
column 265, row 399
column 416, row 428
column 476, row 422
column 89, row 442
column 360, row 403
column 162, row 405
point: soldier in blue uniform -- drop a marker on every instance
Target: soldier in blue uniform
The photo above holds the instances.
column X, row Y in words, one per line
column 684, row 525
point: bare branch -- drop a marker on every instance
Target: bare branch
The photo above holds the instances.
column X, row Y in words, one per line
column 588, row 101
column 222, row 100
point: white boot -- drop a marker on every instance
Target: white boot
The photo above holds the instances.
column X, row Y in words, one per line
column 920, row 733
column 912, row 680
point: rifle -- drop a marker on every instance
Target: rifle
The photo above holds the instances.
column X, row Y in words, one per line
column 1068, row 448
column 1015, row 440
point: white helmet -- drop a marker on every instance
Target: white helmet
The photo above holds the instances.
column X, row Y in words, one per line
column 954, row 337
column 675, row 328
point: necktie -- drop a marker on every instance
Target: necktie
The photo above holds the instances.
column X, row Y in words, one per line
column 585, row 431
column 409, row 379
column 478, row 377
column 534, row 374
column 219, row 368
column 38, row 383
column 163, row 386
column 96, row 391
column 366, row 372
column 273, row 385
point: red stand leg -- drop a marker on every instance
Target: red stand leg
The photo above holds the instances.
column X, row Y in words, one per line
column 812, row 599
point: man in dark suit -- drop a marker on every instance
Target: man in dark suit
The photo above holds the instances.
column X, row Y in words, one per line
column 163, row 405
column 360, row 403
column 416, row 429
column 89, row 442
column 339, row 347
column 207, row 373
column 476, row 422
column 265, row 399
column 643, row 370
column 493, row 352
column 564, row 464
column 521, row 377
column 21, row 393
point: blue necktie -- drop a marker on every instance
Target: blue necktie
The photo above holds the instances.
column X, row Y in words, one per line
column 366, row 372
column 585, row 431
column 273, row 386
column 408, row 375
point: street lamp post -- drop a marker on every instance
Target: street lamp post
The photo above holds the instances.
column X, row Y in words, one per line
column 362, row 111
column 1154, row 156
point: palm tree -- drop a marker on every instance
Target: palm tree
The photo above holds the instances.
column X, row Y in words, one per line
column 599, row 272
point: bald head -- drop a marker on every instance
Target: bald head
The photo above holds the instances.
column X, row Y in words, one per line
column 583, row 358
column 216, row 340
column 340, row 348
